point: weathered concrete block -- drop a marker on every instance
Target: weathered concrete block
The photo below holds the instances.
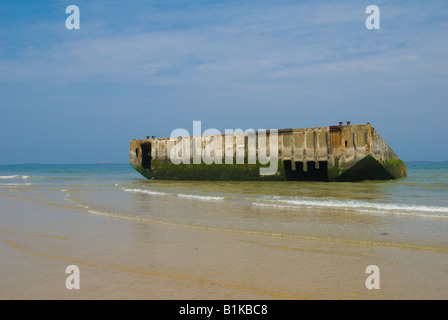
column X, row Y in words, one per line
column 332, row 153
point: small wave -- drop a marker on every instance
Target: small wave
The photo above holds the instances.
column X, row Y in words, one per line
column 360, row 206
column 198, row 197
column 15, row 184
column 151, row 192
column 9, row 177
column 102, row 213
column 17, row 176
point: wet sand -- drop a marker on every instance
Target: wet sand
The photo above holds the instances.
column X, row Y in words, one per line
column 125, row 259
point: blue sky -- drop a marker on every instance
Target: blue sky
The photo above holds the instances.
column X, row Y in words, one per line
column 138, row 68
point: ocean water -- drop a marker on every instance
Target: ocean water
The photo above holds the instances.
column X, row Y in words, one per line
column 409, row 212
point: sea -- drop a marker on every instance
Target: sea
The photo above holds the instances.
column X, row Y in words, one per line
column 409, row 212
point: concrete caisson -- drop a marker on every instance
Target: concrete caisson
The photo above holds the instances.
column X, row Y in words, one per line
column 332, row 153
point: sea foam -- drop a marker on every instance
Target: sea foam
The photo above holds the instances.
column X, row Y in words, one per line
column 151, row 192
column 199, row 197
column 17, row 176
column 357, row 206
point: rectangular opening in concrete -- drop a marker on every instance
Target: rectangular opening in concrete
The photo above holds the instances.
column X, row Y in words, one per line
column 146, row 155
column 312, row 173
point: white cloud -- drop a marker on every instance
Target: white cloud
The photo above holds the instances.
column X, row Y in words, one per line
column 246, row 43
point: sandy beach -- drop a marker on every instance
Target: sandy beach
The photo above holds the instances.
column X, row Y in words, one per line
column 124, row 259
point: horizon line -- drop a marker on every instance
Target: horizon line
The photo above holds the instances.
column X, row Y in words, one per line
column 120, row 163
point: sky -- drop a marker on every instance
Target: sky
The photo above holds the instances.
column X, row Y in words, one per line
column 143, row 68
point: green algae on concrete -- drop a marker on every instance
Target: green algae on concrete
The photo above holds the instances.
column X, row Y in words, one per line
column 166, row 170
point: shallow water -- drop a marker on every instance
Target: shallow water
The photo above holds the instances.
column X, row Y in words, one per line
column 410, row 212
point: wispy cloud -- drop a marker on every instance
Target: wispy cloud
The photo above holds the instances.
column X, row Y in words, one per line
column 248, row 42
